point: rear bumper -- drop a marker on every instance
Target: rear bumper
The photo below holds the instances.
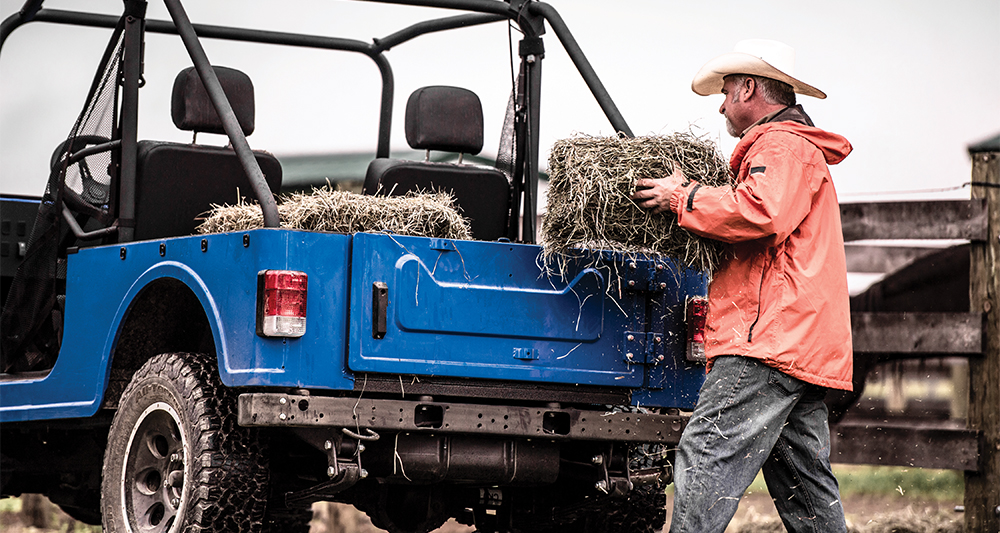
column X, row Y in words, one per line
column 555, row 423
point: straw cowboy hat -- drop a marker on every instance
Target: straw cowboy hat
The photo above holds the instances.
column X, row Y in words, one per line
column 757, row 57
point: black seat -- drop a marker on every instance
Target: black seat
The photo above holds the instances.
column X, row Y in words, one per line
column 447, row 119
column 177, row 183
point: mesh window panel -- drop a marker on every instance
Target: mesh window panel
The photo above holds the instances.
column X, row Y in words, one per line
column 31, row 323
column 505, row 152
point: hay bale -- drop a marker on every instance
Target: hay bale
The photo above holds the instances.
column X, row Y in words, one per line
column 325, row 209
column 591, row 182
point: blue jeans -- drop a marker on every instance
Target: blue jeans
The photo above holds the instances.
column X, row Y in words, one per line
column 751, row 417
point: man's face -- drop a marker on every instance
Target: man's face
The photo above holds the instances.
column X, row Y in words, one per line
column 734, row 106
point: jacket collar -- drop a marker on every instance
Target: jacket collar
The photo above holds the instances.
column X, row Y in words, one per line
column 793, row 113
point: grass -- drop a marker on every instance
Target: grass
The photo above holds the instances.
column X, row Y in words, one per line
column 868, row 480
column 923, row 483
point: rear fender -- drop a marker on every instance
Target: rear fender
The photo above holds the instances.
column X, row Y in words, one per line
column 169, row 308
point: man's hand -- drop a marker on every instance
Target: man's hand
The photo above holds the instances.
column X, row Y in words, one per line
column 655, row 193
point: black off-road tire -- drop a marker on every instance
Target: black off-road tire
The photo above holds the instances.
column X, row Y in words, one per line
column 176, row 458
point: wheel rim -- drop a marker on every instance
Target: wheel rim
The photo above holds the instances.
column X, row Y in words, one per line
column 153, row 490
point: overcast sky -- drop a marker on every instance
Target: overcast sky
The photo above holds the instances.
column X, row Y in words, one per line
column 910, row 83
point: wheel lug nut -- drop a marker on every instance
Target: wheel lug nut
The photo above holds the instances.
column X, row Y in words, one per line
column 175, row 502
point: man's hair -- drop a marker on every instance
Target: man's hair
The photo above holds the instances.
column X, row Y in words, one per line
column 773, row 91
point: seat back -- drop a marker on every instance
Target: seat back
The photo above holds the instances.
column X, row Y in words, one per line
column 447, row 119
column 177, row 183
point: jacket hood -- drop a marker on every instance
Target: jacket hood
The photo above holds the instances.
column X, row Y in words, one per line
column 834, row 147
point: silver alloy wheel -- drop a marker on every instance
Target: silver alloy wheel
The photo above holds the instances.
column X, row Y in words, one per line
column 152, row 484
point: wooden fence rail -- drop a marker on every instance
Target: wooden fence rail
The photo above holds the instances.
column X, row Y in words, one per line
column 866, row 258
column 975, row 449
column 927, row 334
column 954, row 219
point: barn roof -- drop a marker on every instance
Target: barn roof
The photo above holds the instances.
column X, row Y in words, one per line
column 991, row 144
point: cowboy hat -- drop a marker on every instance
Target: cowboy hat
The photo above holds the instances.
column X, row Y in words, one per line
column 757, row 57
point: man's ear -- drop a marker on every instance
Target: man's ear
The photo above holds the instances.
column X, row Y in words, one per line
column 749, row 88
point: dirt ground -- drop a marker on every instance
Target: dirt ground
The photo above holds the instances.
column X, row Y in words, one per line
column 869, row 514
column 756, row 514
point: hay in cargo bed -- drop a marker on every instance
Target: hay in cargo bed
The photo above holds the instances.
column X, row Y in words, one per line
column 591, row 182
column 325, row 209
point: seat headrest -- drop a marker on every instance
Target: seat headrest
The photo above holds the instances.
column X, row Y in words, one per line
column 192, row 109
column 443, row 118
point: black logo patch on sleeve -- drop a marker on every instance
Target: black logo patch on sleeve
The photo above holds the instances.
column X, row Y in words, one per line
column 755, row 170
column 690, row 206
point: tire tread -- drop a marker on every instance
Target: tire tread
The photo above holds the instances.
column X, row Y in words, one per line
column 230, row 478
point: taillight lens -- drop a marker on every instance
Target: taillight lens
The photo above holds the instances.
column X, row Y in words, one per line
column 697, row 312
column 281, row 303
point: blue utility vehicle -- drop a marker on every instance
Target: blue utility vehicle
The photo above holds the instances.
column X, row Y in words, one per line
column 159, row 380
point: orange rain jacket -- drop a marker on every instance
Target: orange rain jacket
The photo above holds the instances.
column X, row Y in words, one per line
column 780, row 295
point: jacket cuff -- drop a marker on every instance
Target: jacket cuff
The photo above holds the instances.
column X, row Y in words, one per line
column 677, row 199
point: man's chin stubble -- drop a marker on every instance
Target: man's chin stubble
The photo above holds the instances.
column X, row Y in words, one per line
column 731, row 129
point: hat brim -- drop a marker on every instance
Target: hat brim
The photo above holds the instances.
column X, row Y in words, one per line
column 709, row 79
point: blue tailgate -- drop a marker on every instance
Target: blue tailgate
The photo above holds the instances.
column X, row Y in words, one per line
column 487, row 310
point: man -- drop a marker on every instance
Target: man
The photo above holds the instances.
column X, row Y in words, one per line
column 778, row 331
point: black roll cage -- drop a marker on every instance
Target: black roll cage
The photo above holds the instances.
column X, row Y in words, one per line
column 529, row 15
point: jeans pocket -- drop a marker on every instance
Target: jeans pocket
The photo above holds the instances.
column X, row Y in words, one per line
column 790, row 385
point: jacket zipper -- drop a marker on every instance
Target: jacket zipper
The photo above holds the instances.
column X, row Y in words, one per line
column 760, row 296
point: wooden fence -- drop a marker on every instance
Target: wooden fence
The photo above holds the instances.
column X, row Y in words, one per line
column 975, row 448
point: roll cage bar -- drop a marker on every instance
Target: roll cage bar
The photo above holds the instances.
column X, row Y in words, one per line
column 529, row 15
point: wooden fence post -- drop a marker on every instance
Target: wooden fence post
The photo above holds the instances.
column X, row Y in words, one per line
column 982, row 488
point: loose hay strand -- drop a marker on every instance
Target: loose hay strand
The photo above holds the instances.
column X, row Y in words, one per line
column 591, row 182
column 325, row 209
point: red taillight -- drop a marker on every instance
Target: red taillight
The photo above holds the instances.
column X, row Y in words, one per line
column 281, row 303
column 697, row 312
